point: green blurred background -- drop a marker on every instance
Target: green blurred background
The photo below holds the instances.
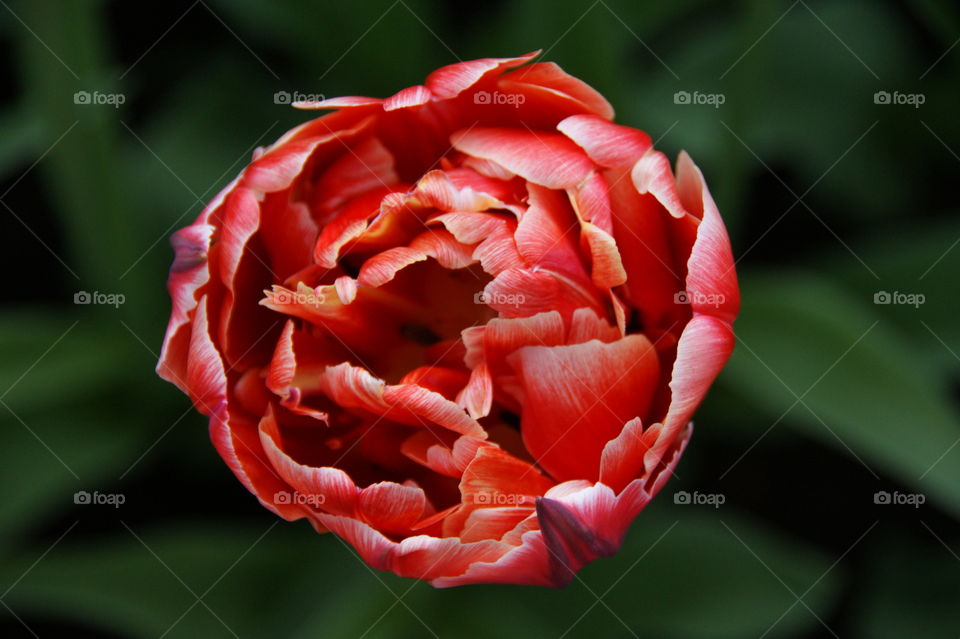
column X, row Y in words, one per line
column 831, row 401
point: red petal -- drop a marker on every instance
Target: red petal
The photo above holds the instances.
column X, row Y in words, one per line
column 711, row 277
column 188, row 275
column 547, row 159
column 391, row 507
column 206, row 380
column 577, row 398
column 652, row 174
column 608, row 144
column 556, row 90
column 354, row 387
column 331, row 489
column 703, row 350
column 409, row 97
column 450, row 81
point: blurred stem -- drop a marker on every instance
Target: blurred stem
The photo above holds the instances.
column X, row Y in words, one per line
column 64, row 53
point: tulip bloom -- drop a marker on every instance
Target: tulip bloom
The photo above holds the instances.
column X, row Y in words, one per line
column 465, row 327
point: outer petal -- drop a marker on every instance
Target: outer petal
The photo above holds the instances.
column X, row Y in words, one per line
column 547, row 159
column 608, row 144
column 711, row 277
column 188, row 275
column 527, row 564
column 556, row 91
column 704, row 347
column 450, row 81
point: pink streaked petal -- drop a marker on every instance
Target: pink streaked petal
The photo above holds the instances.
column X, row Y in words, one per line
column 492, row 235
column 622, row 459
column 477, row 396
column 331, row 488
column 502, row 337
column 391, row 507
column 355, row 387
column 382, row 268
column 548, row 234
column 547, row 159
column 188, row 276
column 591, row 201
column 493, row 477
column 548, row 80
column 587, row 325
column 372, row 546
column 711, row 276
column 349, row 224
column 652, row 174
column 364, row 167
column 704, row 348
column 640, row 492
column 578, row 397
column 206, row 379
column 521, row 292
column 526, row 564
column 428, row 449
column 279, row 166
column 450, row 81
column 606, row 264
column 424, row 557
column 493, row 523
column 436, row 189
column 236, row 439
column 608, row 144
column 406, row 98
column 343, row 102
column 346, row 288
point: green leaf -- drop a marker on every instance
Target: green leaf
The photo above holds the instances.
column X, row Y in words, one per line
column 863, row 389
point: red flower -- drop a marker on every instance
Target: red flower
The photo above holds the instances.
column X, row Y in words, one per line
column 464, row 328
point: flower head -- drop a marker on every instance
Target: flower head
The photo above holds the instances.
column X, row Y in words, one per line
column 464, row 328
